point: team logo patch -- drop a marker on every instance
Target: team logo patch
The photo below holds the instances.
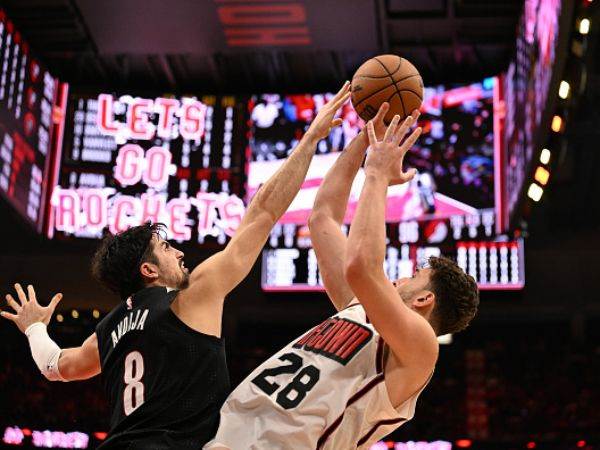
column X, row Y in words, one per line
column 337, row 339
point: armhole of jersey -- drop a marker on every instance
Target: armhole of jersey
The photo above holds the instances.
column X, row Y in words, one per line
column 381, row 358
column 186, row 328
column 350, row 305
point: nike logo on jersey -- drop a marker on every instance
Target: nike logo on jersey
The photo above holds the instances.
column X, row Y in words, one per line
column 337, row 339
column 131, row 321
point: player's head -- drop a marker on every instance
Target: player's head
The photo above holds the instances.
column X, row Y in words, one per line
column 140, row 256
column 443, row 293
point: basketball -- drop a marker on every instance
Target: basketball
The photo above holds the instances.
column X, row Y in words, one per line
column 386, row 78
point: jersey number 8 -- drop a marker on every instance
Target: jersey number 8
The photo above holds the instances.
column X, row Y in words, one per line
column 133, row 396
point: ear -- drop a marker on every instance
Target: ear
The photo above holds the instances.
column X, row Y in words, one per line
column 149, row 270
column 425, row 299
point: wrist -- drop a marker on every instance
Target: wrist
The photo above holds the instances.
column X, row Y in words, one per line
column 311, row 136
column 376, row 174
column 35, row 325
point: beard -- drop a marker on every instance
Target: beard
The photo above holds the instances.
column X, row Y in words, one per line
column 185, row 279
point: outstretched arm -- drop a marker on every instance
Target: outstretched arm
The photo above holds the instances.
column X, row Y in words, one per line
column 409, row 335
column 55, row 364
column 328, row 213
column 218, row 275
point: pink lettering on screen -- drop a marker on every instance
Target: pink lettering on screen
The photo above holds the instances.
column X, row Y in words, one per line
column 67, row 204
column 207, row 213
column 129, row 167
column 231, row 210
column 13, row 436
column 137, row 119
column 59, row 439
column 94, row 209
column 191, row 125
column 94, row 205
column 166, row 108
column 153, row 207
column 178, row 209
column 126, row 213
column 158, row 161
column 104, row 119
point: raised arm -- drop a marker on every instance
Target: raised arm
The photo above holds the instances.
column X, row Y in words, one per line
column 329, row 210
column 409, row 335
column 56, row 364
column 219, row 274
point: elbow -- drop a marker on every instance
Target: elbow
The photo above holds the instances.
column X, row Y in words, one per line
column 261, row 214
column 357, row 268
column 316, row 219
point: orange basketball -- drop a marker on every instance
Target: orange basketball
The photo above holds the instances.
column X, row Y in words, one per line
column 386, row 78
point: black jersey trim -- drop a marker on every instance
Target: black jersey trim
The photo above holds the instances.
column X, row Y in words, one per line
column 367, row 436
column 189, row 330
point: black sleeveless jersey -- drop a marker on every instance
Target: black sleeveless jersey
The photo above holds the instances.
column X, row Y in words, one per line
column 165, row 381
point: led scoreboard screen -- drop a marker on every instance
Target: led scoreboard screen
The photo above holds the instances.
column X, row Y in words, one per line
column 27, row 97
column 449, row 209
column 129, row 160
column 525, row 88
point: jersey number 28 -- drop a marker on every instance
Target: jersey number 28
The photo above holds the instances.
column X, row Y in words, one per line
column 295, row 391
column 133, row 396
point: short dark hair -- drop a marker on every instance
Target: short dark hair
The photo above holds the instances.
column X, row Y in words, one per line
column 118, row 258
column 456, row 296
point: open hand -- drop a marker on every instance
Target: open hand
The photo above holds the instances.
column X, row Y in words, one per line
column 324, row 121
column 28, row 310
column 378, row 121
column 386, row 156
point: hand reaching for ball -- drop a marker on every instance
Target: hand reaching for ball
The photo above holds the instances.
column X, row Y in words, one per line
column 324, row 121
column 378, row 121
column 386, row 156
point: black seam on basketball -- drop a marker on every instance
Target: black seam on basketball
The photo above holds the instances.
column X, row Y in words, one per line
column 384, row 88
column 410, row 90
column 373, row 93
column 384, row 76
column 394, row 83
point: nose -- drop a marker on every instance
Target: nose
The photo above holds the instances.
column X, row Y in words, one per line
column 399, row 281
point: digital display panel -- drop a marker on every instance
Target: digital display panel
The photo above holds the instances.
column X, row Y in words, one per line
column 28, row 94
column 455, row 156
column 449, row 209
column 178, row 161
column 290, row 262
column 525, row 88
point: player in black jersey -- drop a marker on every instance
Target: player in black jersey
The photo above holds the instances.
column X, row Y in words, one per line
column 160, row 351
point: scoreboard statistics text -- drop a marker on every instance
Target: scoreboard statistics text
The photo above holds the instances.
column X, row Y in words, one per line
column 28, row 94
column 290, row 264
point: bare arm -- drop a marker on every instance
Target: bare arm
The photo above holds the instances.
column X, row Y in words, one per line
column 54, row 363
column 218, row 275
column 80, row 363
column 329, row 210
column 409, row 335
column 327, row 217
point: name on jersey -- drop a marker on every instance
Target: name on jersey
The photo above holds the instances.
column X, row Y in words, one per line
column 135, row 320
column 337, row 339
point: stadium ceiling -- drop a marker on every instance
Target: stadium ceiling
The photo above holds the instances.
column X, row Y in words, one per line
column 179, row 45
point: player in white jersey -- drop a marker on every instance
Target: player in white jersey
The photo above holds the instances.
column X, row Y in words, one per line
column 356, row 377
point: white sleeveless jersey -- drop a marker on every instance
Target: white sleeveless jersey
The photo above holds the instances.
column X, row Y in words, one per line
column 325, row 390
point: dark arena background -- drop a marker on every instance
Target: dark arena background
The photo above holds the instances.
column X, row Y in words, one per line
column 508, row 186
